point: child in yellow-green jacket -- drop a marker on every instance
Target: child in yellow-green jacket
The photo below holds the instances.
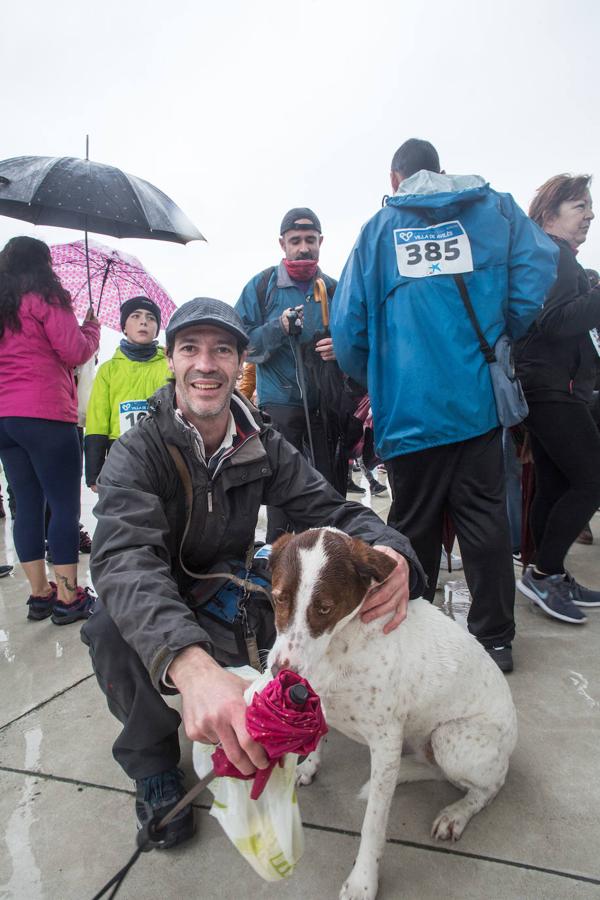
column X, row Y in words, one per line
column 123, row 384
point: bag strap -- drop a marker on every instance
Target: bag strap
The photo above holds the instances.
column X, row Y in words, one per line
column 246, row 584
column 490, row 356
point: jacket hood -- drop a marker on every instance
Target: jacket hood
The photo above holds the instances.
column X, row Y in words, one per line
column 431, row 190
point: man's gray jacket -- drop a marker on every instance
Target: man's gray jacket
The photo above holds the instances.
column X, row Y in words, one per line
column 141, row 512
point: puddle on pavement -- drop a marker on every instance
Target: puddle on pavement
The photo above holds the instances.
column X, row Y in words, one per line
column 26, row 879
column 5, row 648
column 581, row 685
column 457, row 601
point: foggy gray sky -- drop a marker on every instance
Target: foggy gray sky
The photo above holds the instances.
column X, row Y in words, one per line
column 242, row 110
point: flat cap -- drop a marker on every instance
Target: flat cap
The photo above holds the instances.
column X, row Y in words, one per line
column 207, row 311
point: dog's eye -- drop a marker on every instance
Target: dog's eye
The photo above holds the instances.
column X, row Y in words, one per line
column 279, row 597
column 324, row 610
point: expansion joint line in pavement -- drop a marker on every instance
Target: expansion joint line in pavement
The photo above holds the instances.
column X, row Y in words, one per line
column 462, row 853
column 330, row 829
column 43, row 703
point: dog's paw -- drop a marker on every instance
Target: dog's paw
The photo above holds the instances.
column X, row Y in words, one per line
column 449, row 825
column 307, row 770
column 359, row 886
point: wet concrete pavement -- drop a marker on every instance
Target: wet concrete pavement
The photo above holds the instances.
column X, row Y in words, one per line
column 67, row 809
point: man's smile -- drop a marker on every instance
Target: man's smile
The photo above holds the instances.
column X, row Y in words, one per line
column 205, row 385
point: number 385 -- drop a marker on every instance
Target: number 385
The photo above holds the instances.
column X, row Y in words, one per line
column 432, row 251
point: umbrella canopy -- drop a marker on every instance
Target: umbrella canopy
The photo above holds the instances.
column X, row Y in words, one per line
column 114, row 278
column 77, row 193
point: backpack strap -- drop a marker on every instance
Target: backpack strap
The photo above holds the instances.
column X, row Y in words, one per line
column 330, row 284
column 262, row 291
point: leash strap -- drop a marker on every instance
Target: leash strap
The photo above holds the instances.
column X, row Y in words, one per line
column 187, row 799
column 148, row 837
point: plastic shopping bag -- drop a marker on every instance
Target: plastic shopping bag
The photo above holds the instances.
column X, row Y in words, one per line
column 267, row 831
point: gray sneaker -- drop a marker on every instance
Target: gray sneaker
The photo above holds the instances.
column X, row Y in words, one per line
column 553, row 594
column 583, row 596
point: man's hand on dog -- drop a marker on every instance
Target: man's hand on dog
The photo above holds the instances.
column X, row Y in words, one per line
column 390, row 598
column 214, row 709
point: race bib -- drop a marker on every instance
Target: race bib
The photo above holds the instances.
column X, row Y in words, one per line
column 442, row 249
column 130, row 413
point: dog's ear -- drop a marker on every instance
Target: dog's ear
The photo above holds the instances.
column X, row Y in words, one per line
column 370, row 563
column 279, row 545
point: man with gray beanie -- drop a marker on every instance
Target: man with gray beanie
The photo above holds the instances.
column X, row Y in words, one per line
column 179, row 497
column 280, row 311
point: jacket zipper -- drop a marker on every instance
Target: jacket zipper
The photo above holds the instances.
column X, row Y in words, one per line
column 209, row 495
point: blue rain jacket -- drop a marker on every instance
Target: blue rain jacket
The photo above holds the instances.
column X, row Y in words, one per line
column 408, row 338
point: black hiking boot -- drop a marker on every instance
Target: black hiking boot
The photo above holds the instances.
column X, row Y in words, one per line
column 156, row 796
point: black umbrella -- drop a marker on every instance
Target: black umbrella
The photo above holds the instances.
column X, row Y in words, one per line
column 338, row 399
column 77, row 193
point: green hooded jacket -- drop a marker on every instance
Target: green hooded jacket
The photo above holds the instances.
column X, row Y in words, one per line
column 117, row 402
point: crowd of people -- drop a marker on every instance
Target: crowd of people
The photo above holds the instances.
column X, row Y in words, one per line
column 181, row 461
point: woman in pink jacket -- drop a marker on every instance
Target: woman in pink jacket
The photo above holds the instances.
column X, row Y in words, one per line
column 40, row 342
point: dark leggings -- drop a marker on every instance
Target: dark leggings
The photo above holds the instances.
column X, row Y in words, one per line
column 566, row 451
column 42, row 459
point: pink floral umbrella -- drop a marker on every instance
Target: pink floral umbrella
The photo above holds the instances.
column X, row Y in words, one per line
column 114, row 278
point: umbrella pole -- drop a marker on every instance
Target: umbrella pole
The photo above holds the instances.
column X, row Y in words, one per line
column 87, row 264
column 87, row 254
column 103, row 283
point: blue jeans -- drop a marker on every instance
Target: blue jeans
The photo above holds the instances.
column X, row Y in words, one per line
column 42, row 461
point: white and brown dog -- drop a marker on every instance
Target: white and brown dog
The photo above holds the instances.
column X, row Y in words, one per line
column 428, row 684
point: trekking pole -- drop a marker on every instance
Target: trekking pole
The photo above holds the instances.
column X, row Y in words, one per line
column 295, row 332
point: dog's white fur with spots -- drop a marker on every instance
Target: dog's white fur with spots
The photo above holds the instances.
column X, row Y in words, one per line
column 428, row 684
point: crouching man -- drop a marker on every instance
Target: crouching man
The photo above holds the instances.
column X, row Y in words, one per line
column 179, row 493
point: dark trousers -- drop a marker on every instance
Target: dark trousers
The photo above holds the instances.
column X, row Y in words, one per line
column 566, row 452
column 290, row 421
column 148, row 743
column 466, row 479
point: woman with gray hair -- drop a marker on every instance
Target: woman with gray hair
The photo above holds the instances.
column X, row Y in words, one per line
column 557, row 362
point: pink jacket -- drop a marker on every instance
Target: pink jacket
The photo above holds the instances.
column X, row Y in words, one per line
column 36, row 363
